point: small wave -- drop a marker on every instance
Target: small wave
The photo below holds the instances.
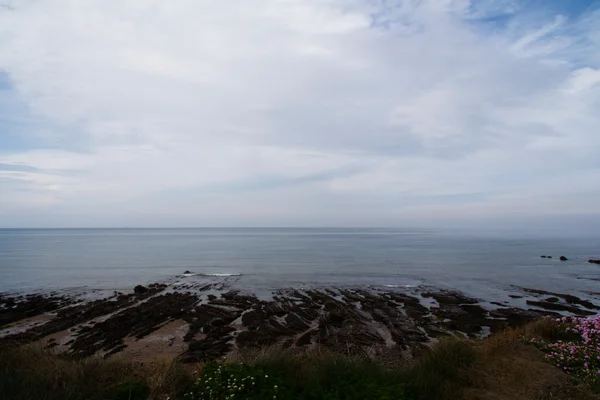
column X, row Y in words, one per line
column 400, row 286
column 215, row 274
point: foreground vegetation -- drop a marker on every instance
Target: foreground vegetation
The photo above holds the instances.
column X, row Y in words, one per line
column 574, row 346
column 517, row 364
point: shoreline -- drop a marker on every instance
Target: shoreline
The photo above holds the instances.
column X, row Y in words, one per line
column 200, row 318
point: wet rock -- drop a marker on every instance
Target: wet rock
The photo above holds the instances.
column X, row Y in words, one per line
column 139, row 289
column 252, row 319
column 296, row 323
column 187, row 272
column 563, row 258
column 138, row 321
column 567, row 297
column 515, row 317
column 234, row 299
column 514, row 296
column 450, row 297
column 14, row 309
column 559, row 307
column 307, row 338
column 68, row 317
column 544, row 256
column 256, row 338
column 205, row 315
column 458, row 319
column 346, row 320
column 594, row 261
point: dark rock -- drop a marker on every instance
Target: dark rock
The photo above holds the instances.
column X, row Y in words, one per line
column 187, row 271
column 514, row 296
column 569, row 298
column 563, row 258
column 252, row 319
column 351, row 321
column 215, row 345
column 307, row 338
column 544, row 256
column 594, row 261
column 450, row 297
column 296, row 323
column 549, row 256
column 255, row 339
column 559, row 307
column 68, row 317
column 515, row 317
column 14, row 309
column 139, row 289
column 138, row 321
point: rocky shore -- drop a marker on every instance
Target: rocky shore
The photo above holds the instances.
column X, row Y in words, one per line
column 196, row 319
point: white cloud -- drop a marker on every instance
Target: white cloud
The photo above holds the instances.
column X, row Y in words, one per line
column 287, row 111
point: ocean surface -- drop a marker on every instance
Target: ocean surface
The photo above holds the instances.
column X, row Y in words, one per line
column 480, row 264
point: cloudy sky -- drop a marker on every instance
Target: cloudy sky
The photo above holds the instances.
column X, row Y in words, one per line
column 299, row 112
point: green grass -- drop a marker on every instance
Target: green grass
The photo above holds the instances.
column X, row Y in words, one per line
column 311, row 378
column 441, row 374
column 31, row 373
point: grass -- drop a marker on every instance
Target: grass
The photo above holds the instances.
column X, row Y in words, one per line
column 444, row 371
column 501, row 367
column 30, row 373
column 288, row 375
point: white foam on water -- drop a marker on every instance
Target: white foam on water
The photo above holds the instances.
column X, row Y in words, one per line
column 188, row 275
column 400, row 286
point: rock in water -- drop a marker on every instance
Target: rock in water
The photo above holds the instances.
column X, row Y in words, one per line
column 140, row 289
column 544, row 256
column 594, row 261
column 563, row 258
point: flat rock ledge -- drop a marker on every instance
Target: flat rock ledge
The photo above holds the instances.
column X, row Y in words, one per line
column 220, row 321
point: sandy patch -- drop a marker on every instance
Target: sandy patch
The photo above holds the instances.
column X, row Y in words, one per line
column 25, row 324
column 162, row 345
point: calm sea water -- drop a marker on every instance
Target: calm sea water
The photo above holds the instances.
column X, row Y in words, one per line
column 479, row 264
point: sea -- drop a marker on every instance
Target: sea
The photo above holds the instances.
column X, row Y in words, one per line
column 483, row 264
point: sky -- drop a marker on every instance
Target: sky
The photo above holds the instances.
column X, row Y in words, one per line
column 125, row 113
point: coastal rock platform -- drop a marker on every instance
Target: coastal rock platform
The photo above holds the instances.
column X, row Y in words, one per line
column 198, row 319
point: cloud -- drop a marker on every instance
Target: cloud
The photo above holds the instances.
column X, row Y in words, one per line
column 281, row 112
